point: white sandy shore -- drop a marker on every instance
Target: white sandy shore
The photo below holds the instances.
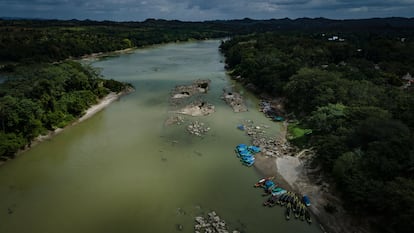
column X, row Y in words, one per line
column 103, row 103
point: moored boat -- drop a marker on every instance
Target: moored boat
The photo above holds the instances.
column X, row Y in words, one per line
column 306, row 200
column 308, row 217
column 288, row 209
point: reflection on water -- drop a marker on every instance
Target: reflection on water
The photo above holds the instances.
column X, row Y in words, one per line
column 125, row 171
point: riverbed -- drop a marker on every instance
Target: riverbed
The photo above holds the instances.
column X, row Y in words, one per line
column 124, row 170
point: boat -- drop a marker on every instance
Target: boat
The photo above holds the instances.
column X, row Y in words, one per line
column 280, row 198
column 244, row 153
column 306, row 200
column 241, row 147
column 271, row 201
column 248, row 158
column 290, row 199
column 278, row 118
column 302, row 212
column 288, row 209
column 254, row 149
column 248, row 164
column 278, row 191
column 297, row 211
column 308, row 217
column 261, row 182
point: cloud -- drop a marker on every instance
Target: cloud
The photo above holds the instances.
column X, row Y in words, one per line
column 122, row 10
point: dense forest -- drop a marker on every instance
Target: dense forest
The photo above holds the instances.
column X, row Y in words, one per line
column 353, row 91
column 52, row 40
column 342, row 79
column 44, row 91
column 43, row 97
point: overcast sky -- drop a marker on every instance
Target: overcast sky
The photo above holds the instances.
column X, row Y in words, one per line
column 196, row 10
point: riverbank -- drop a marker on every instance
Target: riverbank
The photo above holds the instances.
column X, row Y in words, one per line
column 94, row 109
column 292, row 171
column 95, row 56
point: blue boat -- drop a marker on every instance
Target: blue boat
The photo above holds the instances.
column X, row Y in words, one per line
column 254, row 149
column 245, row 153
column 278, row 118
column 248, row 159
column 278, row 191
column 241, row 147
column 306, row 200
column 268, row 184
column 248, row 163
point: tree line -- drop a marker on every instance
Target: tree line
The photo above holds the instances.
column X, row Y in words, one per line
column 42, row 97
column 348, row 89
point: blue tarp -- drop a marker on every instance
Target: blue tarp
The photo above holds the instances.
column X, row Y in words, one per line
column 241, row 127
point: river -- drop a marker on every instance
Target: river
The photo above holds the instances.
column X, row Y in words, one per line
column 123, row 170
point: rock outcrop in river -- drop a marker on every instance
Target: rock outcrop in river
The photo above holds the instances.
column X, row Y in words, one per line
column 213, row 223
column 197, row 108
column 197, row 128
column 235, row 100
column 184, row 91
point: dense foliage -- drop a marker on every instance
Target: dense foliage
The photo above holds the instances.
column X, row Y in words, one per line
column 349, row 91
column 44, row 97
column 51, row 40
column 29, row 41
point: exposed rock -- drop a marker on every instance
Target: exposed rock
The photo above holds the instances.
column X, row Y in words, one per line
column 197, row 128
column 184, row 91
column 179, row 227
column 197, row 108
column 235, row 100
column 271, row 146
column 211, row 224
column 174, row 120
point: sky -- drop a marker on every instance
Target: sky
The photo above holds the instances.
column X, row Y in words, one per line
column 200, row 10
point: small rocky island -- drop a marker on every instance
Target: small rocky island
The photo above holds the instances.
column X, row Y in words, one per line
column 197, row 108
column 184, row 91
column 211, row 223
column 235, row 100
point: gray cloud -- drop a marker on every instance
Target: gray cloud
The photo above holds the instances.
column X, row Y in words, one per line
column 122, row 10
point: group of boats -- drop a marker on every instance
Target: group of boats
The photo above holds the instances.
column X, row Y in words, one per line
column 295, row 205
column 246, row 154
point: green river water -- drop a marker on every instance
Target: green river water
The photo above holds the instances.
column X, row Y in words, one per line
column 123, row 170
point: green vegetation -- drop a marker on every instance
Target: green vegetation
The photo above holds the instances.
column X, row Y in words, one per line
column 346, row 91
column 351, row 94
column 298, row 135
column 43, row 97
column 34, row 41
